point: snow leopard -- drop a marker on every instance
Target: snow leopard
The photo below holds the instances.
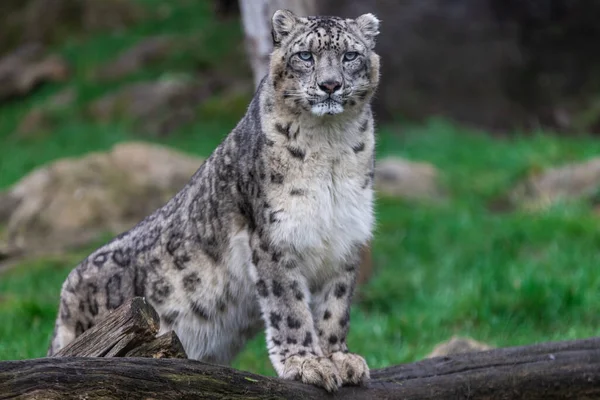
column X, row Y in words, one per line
column 267, row 233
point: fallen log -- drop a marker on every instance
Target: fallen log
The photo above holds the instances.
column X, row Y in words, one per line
column 562, row 370
column 559, row 370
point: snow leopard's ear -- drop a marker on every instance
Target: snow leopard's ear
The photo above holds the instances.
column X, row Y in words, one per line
column 283, row 23
column 368, row 24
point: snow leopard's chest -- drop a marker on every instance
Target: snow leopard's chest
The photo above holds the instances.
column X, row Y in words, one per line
column 324, row 204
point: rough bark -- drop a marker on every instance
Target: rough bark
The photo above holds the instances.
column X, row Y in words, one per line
column 563, row 370
column 164, row 346
column 129, row 326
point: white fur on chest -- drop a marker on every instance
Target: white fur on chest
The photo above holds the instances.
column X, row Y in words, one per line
column 334, row 212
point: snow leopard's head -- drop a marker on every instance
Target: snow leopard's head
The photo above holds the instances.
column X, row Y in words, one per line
column 324, row 65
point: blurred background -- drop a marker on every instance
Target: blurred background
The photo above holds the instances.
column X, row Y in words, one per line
column 488, row 173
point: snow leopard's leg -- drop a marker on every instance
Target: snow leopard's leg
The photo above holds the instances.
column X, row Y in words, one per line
column 331, row 307
column 291, row 336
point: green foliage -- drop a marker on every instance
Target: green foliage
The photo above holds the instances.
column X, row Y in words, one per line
column 75, row 134
column 453, row 267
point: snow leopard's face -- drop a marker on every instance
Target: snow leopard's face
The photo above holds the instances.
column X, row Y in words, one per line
column 324, row 65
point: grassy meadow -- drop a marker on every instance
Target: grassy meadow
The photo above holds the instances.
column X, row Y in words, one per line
column 454, row 267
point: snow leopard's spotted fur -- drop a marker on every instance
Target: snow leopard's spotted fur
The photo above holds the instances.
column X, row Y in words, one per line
column 268, row 231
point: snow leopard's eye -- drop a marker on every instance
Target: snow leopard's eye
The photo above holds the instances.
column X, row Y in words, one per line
column 305, row 56
column 350, row 56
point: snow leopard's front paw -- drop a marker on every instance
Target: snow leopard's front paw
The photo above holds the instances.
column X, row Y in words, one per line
column 352, row 368
column 314, row 370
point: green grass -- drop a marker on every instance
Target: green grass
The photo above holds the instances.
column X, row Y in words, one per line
column 445, row 268
column 208, row 42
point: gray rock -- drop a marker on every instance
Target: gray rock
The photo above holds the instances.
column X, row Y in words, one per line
column 71, row 202
column 565, row 183
column 458, row 345
column 156, row 107
column 27, row 67
column 409, row 180
column 147, row 51
column 48, row 21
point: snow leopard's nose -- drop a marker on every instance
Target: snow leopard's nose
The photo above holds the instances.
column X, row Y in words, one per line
column 330, row 87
